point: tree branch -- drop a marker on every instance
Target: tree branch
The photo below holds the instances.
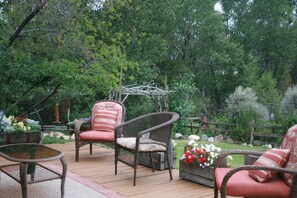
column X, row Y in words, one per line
column 55, row 90
column 19, row 29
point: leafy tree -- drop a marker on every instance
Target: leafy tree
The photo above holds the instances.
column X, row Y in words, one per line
column 264, row 84
column 56, row 44
column 266, row 29
column 286, row 79
column 171, row 38
column 267, row 92
column 181, row 94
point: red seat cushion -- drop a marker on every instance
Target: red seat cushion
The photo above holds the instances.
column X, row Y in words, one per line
column 97, row 136
column 248, row 187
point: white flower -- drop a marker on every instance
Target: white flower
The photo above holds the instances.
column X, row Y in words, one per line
column 192, row 143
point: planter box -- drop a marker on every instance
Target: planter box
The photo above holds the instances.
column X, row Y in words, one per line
column 159, row 160
column 18, row 137
column 195, row 173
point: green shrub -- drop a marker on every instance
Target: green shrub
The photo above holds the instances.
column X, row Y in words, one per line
column 244, row 111
column 52, row 140
column 289, row 102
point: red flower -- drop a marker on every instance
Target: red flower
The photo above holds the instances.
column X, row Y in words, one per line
column 202, row 159
column 189, row 160
column 19, row 118
column 198, row 152
column 200, row 156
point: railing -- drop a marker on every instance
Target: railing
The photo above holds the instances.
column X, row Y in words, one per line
column 201, row 124
column 257, row 131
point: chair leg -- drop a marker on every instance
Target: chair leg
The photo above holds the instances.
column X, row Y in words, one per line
column 152, row 162
column 77, row 154
column 76, row 151
column 135, row 167
column 91, row 148
column 169, row 165
column 216, row 191
column 116, row 155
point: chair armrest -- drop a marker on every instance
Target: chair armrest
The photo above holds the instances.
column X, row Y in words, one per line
column 224, row 154
column 78, row 125
column 145, row 124
column 120, row 129
column 126, row 128
column 131, row 128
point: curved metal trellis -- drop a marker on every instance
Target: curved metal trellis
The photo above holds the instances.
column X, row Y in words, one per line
column 150, row 90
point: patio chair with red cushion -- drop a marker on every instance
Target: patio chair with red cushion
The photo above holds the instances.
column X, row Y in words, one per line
column 148, row 133
column 273, row 174
column 106, row 115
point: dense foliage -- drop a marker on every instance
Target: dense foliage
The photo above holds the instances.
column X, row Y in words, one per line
column 80, row 51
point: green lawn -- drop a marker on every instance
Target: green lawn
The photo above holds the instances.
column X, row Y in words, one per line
column 179, row 148
column 235, row 162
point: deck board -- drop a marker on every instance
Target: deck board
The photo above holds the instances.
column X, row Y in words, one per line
column 100, row 168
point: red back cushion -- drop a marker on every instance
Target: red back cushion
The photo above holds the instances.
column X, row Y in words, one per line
column 272, row 158
column 290, row 142
column 106, row 116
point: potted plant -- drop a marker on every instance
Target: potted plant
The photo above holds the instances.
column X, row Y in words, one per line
column 19, row 130
column 196, row 164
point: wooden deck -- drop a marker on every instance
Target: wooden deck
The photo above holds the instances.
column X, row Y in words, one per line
column 100, row 168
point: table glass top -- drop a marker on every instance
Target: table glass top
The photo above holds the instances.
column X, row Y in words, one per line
column 27, row 152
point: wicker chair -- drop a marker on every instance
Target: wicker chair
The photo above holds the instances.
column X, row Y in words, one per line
column 237, row 182
column 145, row 134
column 106, row 115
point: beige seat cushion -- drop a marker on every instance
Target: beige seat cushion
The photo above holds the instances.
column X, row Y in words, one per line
column 145, row 144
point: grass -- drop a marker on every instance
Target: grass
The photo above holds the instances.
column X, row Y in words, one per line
column 180, row 145
column 237, row 160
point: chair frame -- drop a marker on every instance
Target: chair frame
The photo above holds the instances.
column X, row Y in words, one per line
column 224, row 154
column 77, row 131
column 151, row 130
